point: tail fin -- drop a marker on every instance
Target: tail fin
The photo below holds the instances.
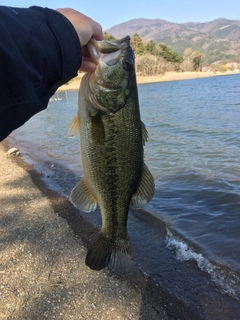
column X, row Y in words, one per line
column 116, row 255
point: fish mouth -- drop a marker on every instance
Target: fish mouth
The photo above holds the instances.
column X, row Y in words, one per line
column 107, row 51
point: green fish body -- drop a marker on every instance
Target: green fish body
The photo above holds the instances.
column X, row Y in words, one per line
column 111, row 146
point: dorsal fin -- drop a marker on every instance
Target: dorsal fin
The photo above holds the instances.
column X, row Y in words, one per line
column 145, row 189
column 144, row 133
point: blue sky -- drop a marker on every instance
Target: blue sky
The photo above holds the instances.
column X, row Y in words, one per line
column 110, row 12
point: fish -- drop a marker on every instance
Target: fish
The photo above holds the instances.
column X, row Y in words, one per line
column 112, row 137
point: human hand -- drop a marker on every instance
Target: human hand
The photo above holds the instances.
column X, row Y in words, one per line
column 86, row 28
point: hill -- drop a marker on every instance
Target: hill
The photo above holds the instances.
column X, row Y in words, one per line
column 218, row 39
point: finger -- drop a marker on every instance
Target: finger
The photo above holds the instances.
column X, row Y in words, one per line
column 88, row 66
column 85, row 52
column 97, row 31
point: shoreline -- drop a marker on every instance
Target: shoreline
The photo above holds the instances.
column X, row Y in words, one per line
column 43, row 249
column 43, row 255
column 168, row 76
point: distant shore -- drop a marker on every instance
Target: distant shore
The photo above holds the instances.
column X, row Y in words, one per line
column 168, row 76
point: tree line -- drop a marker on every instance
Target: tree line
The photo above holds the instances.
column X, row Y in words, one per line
column 153, row 59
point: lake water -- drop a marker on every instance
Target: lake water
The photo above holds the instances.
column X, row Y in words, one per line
column 193, row 153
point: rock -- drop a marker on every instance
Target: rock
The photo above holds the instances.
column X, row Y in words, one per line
column 13, row 152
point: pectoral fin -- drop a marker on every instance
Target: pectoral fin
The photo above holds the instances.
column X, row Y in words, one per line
column 145, row 189
column 82, row 198
column 74, row 128
column 97, row 129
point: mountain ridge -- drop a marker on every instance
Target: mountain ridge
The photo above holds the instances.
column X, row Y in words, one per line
column 218, row 39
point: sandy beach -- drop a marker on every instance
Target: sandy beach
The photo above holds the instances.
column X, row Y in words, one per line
column 168, row 76
column 42, row 271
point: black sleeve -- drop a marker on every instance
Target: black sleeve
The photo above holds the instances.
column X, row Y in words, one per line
column 39, row 51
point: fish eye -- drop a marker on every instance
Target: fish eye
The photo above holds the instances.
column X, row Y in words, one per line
column 127, row 63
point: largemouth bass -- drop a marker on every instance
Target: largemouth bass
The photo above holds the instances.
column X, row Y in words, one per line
column 111, row 147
